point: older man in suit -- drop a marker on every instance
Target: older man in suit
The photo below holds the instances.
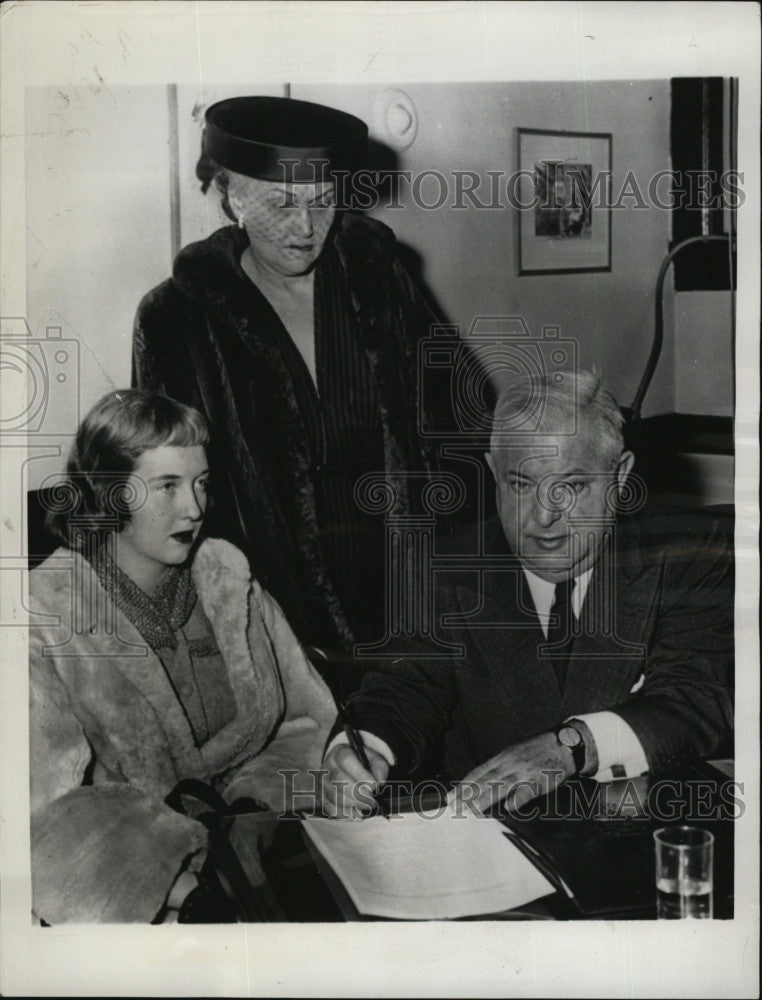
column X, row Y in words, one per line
column 588, row 643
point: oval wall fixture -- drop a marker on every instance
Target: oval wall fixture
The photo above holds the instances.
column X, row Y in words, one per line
column 395, row 118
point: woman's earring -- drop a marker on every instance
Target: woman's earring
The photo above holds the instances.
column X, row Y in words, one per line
column 240, row 222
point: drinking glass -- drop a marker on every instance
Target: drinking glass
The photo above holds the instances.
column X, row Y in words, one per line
column 684, row 858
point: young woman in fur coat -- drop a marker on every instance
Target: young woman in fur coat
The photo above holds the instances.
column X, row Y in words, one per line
column 296, row 331
column 154, row 656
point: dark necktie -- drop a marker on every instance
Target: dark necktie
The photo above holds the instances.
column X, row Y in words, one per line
column 560, row 634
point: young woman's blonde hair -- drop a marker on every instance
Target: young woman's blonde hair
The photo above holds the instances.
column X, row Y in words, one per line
column 110, row 440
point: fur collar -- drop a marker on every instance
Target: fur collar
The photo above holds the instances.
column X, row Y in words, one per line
column 224, row 586
column 203, row 270
column 136, row 724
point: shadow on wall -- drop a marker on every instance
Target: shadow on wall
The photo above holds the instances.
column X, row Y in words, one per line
column 384, row 165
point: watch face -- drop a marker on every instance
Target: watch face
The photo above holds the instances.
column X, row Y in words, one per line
column 569, row 737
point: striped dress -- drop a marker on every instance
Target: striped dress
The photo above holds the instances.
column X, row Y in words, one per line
column 342, row 418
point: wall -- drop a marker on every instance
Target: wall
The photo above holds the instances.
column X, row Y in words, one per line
column 469, row 256
column 199, row 215
column 704, row 365
column 98, row 217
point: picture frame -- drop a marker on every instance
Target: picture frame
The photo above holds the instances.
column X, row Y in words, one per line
column 563, row 201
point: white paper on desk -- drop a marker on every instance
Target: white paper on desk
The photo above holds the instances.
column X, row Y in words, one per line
column 420, row 866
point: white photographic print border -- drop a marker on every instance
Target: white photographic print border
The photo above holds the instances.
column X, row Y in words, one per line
column 134, row 51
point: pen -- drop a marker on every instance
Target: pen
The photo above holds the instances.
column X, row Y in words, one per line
column 355, row 741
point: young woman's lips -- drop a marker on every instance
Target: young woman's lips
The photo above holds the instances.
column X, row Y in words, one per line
column 183, row 537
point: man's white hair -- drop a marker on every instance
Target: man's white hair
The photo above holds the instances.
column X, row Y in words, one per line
column 560, row 403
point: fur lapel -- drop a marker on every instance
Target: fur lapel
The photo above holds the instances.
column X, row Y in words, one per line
column 115, row 681
column 120, row 690
column 224, row 586
column 367, row 250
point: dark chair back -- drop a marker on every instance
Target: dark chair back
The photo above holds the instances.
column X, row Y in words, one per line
column 41, row 542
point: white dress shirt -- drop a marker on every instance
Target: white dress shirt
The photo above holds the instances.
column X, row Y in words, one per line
column 620, row 753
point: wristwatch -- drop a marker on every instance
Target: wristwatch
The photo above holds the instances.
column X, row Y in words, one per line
column 570, row 737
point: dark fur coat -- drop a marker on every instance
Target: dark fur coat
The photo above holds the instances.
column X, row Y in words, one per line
column 197, row 338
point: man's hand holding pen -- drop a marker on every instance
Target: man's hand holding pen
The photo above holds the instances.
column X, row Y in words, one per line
column 349, row 788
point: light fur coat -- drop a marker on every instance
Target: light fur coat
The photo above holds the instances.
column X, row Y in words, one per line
column 103, row 711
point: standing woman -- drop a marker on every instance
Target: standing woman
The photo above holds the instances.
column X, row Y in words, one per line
column 296, row 332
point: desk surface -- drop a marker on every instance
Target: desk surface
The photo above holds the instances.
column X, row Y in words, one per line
column 606, row 860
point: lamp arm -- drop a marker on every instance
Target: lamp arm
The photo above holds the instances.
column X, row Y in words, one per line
column 656, row 347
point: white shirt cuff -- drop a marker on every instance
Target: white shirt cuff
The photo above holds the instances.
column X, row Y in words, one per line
column 620, row 754
column 371, row 743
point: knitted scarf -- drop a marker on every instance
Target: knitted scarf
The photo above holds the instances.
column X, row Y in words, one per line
column 157, row 616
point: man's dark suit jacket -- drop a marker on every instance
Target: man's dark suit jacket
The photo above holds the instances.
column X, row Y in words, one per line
column 669, row 583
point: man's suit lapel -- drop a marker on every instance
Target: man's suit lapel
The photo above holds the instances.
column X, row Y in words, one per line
column 609, row 650
column 503, row 622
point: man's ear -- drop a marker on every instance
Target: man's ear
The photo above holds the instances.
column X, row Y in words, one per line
column 624, row 467
column 491, row 463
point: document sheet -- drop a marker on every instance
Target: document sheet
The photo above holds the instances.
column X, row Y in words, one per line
column 427, row 865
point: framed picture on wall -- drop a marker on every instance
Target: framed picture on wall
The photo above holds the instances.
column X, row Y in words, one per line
column 563, row 186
